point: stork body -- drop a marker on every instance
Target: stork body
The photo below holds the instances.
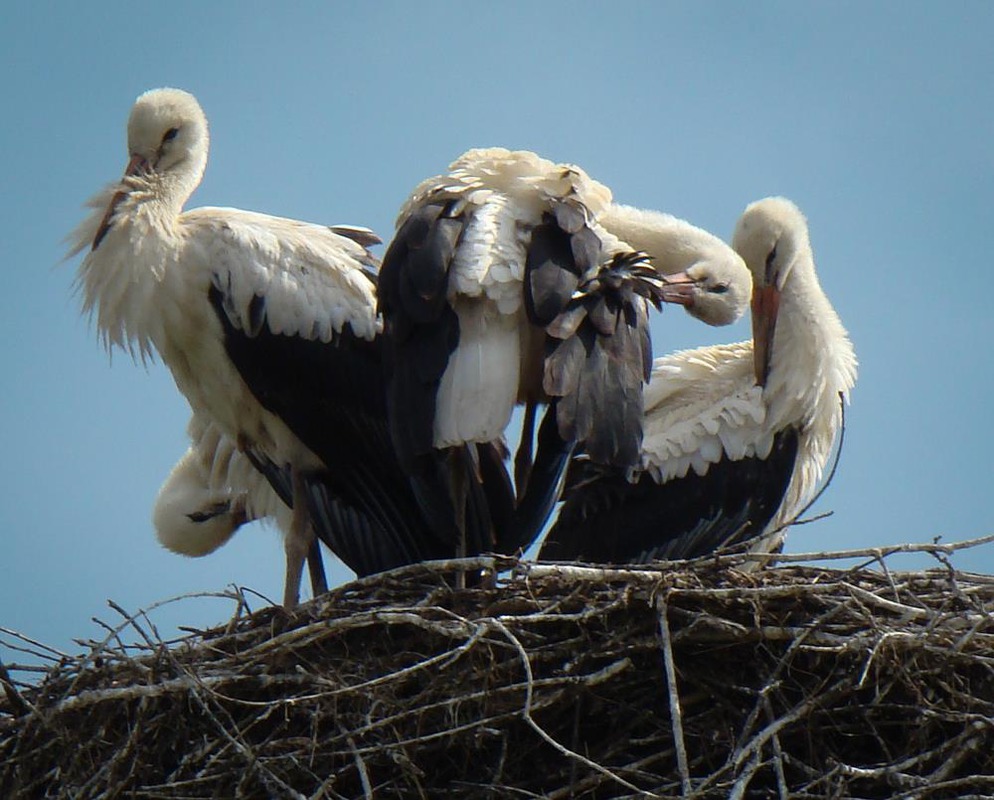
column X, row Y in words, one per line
column 266, row 324
column 736, row 436
column 502, row 287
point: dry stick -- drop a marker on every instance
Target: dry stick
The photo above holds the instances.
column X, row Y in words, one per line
column 578, row 572
column 739, row 787
column 777, row 752
column 658, row 571
column 133, row 622
column 17, row 702
column 436, row 569
column 526, row 713
column 887, row 635
column 267, row 776
column 367, row 788
column 56, row 654
column 449, row 657
column 871, row 599
column 590, row 680
column 874, row 553
column 676, row 716
column 99, row 647
column 742, row 747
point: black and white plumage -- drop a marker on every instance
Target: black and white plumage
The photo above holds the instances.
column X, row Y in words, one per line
column 268, row 326
column 736, row 436
column 502, row 286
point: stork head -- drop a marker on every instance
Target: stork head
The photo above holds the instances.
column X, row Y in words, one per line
column 168, row 140
column 714, row 290
column 190, row 517
column 771, row 235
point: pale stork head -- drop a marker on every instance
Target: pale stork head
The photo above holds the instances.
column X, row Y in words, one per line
column 715, row 291
column 772, row 238
column 189, row 517
column 698, row 269
column 167, row 143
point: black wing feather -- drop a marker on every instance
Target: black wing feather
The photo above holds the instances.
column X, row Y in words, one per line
column 420, row 329
column 332, row 396
column 607, row 519
column 551, row 272
column 545, row 483
column 598, row 356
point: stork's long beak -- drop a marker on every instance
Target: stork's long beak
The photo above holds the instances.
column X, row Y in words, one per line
column 765, row 307
column 136, row 166
column 678, row 288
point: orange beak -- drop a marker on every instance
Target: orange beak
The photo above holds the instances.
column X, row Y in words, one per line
column 136, row 166
column 678, row 288
column 765, row 307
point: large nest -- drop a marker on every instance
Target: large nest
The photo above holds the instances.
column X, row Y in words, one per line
column 544, row 681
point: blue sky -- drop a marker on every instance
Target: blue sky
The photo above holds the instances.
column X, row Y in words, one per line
column 878, row 120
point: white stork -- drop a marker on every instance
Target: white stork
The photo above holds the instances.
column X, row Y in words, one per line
column 505, row 284
column 737, row 436
column 210, row 493
column 268, row 326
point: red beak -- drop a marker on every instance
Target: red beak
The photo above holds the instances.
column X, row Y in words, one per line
column 678, row 288
column 765, row 307
column 136, row 166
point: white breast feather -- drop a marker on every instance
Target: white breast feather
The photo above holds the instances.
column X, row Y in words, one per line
column 480, row 384
column 121, row 280
column 811, row 338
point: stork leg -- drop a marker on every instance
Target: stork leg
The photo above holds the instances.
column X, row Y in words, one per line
column 297, row 544
column 315, row 567
column 545, row 486
column 523, row 457
column 458, row 491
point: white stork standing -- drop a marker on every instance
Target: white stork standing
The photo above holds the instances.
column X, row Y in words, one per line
column 268, row 326
column 736, row 436
column 506, row 284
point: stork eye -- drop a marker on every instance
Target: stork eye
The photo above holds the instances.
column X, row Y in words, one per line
column 169, row 135
column 770, row 258
column 719, row 288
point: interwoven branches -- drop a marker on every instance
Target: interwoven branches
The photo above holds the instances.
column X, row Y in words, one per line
column 550, row 681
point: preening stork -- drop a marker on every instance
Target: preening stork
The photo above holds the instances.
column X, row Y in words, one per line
column 736, row 436
column 210, row 493
column 506, row 284
column 268, row 326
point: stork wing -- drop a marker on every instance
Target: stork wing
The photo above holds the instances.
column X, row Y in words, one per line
column 713, row 474
column 297, row 307
column 607, row 519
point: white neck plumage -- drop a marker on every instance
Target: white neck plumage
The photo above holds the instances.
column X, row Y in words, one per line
column 673, row 244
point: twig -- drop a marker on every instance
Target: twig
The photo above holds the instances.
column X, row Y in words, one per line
column 676, row 716
column 56, row 655
column 882, row 551
column 527, row 714
column 778, row 755
column 360, row 764
column 17, row 703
